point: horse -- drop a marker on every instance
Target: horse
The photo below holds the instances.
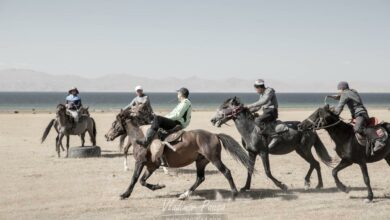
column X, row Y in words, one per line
column 199, row 146
column 255, row 140
column 64, row 126
column 347, row 146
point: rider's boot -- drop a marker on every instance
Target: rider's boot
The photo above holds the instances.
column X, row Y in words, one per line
column 145, row 142
column 275, row 141
column 163, row 161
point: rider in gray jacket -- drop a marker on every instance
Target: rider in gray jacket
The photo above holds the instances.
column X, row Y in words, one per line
column 352, row 99
column 269, row 103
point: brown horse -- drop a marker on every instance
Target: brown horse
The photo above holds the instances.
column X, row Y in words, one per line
column 65, row 127
column 197, row 146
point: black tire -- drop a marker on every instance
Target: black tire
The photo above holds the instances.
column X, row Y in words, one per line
column 84, row 152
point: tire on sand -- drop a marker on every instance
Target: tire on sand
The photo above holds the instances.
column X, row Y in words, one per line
column 84, row 152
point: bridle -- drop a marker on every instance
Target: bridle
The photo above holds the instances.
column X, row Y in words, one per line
column 231, row 113
column 317, row 123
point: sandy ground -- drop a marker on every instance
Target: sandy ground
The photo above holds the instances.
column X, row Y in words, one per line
column 35, row 184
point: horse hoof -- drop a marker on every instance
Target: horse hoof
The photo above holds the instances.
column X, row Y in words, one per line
column 307, row 186
column 124, row 196
column 157, row 187
column 184, row 196
column 284, row 187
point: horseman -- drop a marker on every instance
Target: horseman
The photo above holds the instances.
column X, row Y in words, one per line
column 141, row 98
column 269, row 103
column 73, row 103
column 352, row 99
column 179, row 116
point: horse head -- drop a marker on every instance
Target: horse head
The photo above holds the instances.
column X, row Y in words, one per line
column 61, row 109
column 228, row 110
column 117, row 127
column 323, row 117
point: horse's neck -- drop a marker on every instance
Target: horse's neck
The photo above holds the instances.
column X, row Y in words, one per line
column 244, row 125
column 340, row 133
column 62, row 119
column 133, row 131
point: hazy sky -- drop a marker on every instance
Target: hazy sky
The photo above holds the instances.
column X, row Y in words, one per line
column 282, row 40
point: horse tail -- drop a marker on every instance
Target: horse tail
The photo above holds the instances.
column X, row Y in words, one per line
column 94, row 127
column 235, row 149
column 47, row 130
column 322, row 152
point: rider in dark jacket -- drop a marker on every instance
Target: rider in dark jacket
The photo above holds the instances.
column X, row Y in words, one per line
column 269, row 103
column 352, row 99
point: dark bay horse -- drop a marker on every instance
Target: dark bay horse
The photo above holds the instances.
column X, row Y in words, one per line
column 197, row 146
column 347, row 146
column 257, row 144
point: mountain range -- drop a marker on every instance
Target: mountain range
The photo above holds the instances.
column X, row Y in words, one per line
column 30, row 80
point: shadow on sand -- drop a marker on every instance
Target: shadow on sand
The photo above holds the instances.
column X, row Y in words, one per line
column 255, row 194
column 217, row 194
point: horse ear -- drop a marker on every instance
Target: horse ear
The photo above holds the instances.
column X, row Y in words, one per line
column 121, row 110
column 326, row 107
column 87, row 108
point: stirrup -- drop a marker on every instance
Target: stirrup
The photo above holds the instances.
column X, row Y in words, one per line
column 163, row 161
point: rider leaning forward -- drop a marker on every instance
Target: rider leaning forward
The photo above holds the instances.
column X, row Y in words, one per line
column 352, row 99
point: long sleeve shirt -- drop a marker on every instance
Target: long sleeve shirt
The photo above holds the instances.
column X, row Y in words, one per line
column 266, row 100
column 74, row 99
column 352, row 99
column 181, row 113
column 139, row 100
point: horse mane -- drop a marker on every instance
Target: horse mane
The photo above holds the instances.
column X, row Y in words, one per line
column 139, row 115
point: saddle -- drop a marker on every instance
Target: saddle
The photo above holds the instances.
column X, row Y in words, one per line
column 166, row 138
column 280, row 127
column 375, row 131
column 172, row 135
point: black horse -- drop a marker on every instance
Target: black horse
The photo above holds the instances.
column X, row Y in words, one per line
column 256, row 142
column 347, row 146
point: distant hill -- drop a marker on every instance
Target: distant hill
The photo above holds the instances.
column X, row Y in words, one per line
column 29, row 80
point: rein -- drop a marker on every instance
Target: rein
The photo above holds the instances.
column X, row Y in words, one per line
column 233, row 113
column 317, row 124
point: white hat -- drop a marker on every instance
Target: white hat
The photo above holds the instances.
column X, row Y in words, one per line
column 138, row 88
column 259, row 82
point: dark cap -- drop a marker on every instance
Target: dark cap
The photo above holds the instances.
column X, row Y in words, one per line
column 342, row 85
column 184, row 92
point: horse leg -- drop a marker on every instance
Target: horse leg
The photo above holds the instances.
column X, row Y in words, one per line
column 148, row 172
column 226, row 172
column 92, row 137
column 201, row 163
column 252, row 157
column 67, row 145
column 342, row 165
column 82, row 136
column 308, row 156
column 59, row 143
column 363, row 167
column 265, row 159
column 121, row 142
column 137, row 172
column 125, row 152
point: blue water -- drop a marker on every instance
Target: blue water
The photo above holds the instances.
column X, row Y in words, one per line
column 113, row 101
